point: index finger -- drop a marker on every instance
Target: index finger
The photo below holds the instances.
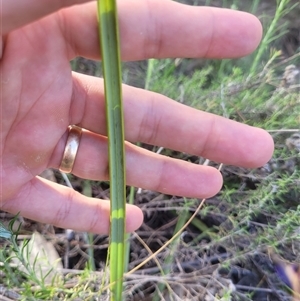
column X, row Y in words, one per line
column 159, row 29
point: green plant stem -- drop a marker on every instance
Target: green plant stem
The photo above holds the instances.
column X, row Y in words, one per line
column 254, row 6
column 149, row 75
column 270, row 33
column 110, row 51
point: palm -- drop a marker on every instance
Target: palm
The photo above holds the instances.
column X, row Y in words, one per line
column 36, row 100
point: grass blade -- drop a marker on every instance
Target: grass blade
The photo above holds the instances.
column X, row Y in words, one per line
column 110, row 51
column 282, row 9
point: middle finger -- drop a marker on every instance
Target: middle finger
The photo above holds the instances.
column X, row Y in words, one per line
column 155, row 119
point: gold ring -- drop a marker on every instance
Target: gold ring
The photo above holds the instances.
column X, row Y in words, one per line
column 71, row 149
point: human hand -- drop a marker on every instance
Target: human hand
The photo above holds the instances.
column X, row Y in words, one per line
column 41, row 97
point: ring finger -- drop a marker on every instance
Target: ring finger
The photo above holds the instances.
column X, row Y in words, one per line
column 143, row 168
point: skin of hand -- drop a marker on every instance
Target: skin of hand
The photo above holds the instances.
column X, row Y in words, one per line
column 41, row 96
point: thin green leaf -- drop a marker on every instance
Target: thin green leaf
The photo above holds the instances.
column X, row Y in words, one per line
column 110, row 51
